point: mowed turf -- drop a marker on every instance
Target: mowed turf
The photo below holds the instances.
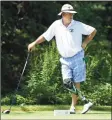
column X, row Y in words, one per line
column 91, row 115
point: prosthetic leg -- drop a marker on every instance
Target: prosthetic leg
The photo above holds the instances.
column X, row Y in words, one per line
column 69, row 85
column 78, row 92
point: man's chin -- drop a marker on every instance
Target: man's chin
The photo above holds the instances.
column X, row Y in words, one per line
column 71, row 19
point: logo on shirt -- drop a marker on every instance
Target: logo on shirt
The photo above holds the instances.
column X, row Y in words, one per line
column 71, row 30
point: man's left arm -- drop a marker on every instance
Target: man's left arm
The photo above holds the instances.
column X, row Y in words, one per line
column 88, row 39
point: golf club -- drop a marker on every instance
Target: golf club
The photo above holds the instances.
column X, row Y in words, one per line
column 8, row 111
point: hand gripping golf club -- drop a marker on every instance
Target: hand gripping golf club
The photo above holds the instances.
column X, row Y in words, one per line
column 8, row 111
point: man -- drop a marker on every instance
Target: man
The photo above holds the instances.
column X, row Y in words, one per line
column 68, row 34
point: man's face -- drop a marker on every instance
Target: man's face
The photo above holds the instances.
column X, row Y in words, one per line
column 68, row 16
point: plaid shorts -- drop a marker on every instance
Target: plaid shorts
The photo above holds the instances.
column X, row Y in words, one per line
column 74, row 67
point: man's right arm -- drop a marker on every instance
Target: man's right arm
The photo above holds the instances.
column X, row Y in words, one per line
column 48, row 35
column 37, row 41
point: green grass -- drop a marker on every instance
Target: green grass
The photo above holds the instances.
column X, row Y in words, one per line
column 96, row 115
column 51, row 107
column 46, row 112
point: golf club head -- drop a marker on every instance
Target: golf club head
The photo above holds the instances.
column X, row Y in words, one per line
column 6, row 111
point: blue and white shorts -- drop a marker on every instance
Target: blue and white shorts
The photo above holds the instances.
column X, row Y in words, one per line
column 74, row 67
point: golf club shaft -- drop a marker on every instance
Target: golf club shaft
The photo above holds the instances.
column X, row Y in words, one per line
column 22, row 72
column 20, row 79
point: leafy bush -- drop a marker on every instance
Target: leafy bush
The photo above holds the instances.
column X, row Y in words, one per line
column 5, row 100
column 44, row 78
column 20, row 99
column 16, row 100
column 101, row 94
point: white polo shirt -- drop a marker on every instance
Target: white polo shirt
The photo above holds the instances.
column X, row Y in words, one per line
column 68, row 39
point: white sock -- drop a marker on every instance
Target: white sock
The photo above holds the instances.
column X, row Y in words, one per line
column 72, row 107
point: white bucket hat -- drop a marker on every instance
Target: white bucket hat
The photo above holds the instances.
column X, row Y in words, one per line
column 67, row 8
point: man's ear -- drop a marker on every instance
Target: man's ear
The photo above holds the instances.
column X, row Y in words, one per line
column 62, row 14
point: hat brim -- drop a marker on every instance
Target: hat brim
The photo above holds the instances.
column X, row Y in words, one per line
column 67, row 12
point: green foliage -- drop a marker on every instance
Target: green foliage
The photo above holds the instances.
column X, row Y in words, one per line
column 101, row 95
column 5, row 100
column 20, row 99
column 98, row 84
column 16, row 100
column 44, row 79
